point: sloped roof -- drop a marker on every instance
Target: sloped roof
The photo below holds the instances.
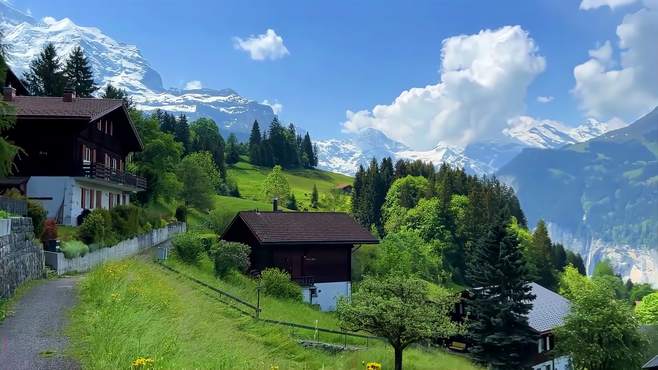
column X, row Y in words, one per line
column 548, row 309
column 652, row 364
column 45, row 106
column 305, row 228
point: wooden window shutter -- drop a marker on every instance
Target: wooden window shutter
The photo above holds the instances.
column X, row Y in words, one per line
column 91, row 198
column 82, row 197
column 99, row 199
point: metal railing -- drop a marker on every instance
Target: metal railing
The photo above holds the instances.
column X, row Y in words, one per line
column 16, row 207
column 100, row 171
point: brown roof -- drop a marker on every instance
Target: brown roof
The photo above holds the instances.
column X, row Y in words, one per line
column 305, row 228
column 83, row 108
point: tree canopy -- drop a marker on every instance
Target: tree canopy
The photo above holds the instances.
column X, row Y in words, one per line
column 276, row 185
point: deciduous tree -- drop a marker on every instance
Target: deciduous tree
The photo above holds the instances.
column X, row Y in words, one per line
column 276, row 185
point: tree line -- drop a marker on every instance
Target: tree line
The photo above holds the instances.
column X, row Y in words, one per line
column 281, row 146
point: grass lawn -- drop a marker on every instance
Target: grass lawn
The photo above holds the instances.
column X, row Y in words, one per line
column 135, row 308
column 250, row 179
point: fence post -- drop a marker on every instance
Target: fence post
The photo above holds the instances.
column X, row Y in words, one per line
column 258, row 301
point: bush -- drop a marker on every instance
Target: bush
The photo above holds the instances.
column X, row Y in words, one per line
column 188, row 246
column 181, row 213
column 49, row 230
column 38, row 214
column 276, row 282
column 218, row 220
column 147, row 216
column 97, row 228
column 81, row 217
column 231, row 256
column 125, row 221
column 74, row 248
column 209, row 242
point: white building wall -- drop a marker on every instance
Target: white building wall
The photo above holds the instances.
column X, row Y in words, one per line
column 66, row 191
column 559, row 363
column 328, row 294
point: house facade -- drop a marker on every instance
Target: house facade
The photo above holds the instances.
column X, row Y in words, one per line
column 74, row 153
column 314, row 247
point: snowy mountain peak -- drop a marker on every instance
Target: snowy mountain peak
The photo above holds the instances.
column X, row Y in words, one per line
column 123, row 66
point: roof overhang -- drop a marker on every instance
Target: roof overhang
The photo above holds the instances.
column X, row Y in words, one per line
column 107, row 184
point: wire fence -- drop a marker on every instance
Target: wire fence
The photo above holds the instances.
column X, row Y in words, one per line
column 254, row 311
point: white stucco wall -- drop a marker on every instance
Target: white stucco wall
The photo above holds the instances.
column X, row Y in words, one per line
column 328, row 294
column 559, row 363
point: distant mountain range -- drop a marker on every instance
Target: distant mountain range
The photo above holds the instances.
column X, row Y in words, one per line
column 600, row 197
column 124, row 66
column 480, row 158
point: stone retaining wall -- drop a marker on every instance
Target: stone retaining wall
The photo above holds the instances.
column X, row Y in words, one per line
column 126, row 248
column 21, row 258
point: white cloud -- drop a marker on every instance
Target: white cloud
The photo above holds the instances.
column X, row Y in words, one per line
column 593, row 4
column 48, row 20
column 193, row 85
column 265, row 46
column 629, row 90
column 545, row 99
column 483, row 83
column 276, row 106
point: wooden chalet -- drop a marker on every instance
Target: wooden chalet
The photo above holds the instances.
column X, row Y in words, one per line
column 314, row 247
column 75, row 152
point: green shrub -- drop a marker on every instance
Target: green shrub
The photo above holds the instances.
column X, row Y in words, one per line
column 74, row 248
column 218, row 220
column 147, row 216
column 188, row 246
column 97, row 228
column 125, row 221
column 181, row 213
column 38, row 214
column 209, row 242
column 230, row 256
column 276, row 282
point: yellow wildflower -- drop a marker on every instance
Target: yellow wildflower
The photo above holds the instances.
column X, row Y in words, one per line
column 142, row 363
column 373, row 366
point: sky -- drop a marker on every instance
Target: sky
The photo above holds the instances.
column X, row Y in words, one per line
column 420, row 71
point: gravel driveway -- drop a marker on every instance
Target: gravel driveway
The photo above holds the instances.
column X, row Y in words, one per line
column 32, row 337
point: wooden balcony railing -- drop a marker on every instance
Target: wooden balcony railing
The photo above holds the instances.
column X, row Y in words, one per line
column 303, row 280
column 100, row 171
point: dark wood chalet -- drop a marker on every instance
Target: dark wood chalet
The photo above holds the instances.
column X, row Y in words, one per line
column 75, row 152
column 314, row 247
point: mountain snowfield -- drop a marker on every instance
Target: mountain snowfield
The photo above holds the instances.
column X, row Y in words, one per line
column 480, row 158
column 124, row 66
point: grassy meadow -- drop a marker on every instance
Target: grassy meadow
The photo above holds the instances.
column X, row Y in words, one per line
column 134, row 308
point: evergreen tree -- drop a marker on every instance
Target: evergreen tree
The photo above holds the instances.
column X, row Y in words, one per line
column 8, row 151
column 78, row 73
column 576, row 260
column 182, row 132
column 291, row 203
column 167, row 122
column 278, row 142
column 541, row 257
column 254, row 145
column 232, row 149
column 307, row 151
column 559, row 257
column 112, row 92
column 314, row 197
column 45, row 76
column 500, row 301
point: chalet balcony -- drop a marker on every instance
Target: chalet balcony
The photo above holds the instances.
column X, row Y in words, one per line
column 99, row 171
column 303, row 281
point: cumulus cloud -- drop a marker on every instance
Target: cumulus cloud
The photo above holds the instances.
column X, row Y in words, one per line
column 193, row 85
column 48, row 20
column 276, row 106
column 261, row 47
column 630, row 89
column 483, row 82
column 593, row 4
column 545, row 99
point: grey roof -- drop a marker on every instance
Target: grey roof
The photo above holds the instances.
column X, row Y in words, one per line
column 653, row 363
column 548, row 309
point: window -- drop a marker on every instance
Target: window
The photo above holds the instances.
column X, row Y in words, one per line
column 111, row 199
column 114, row 163
column 540, row 345
column 125, row 200
column 91, row 199
column 111, row 129
column 82, row 197
column 99, row 125
column 99, row 199
column 86, row 154
column 107, row 160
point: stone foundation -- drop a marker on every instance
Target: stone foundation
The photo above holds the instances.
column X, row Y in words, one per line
column 21, row 258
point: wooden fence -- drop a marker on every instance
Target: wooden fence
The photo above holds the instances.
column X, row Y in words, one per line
column 16, row 207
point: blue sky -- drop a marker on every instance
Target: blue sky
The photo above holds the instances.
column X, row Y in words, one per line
column 347, row 55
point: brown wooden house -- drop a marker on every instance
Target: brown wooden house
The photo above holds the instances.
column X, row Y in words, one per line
column 75, row 152
column 314, row 247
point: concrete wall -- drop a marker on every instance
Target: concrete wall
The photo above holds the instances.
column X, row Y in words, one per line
column 21, row 258
column 327, row 294
column 125, row 248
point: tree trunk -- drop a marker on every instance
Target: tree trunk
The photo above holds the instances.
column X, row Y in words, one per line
column 398, row 358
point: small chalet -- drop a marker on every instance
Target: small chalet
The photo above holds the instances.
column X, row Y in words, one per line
column 314, row 247
column 75, row 152
column 548, row 312
column 345, row 188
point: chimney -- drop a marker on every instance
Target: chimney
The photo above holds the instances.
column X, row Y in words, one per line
column 8, row 93
column 275, row 204
column 69, row 95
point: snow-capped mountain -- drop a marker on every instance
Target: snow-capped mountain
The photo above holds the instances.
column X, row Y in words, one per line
column 123, row 66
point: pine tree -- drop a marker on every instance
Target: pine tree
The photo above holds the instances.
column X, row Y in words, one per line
column 232, row 150
column 559, row 256
column 307, row 151
column 541, row 258
column 314, row 197
column 500, row 301
column 291, row 203
column 45, row 76
column 254, row 145
column 576, row 260
column 112, row 92
column 167, row 122
column 78, row 73
column 182, row 132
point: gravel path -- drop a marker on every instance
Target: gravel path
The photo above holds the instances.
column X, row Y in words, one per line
column 32, row 337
